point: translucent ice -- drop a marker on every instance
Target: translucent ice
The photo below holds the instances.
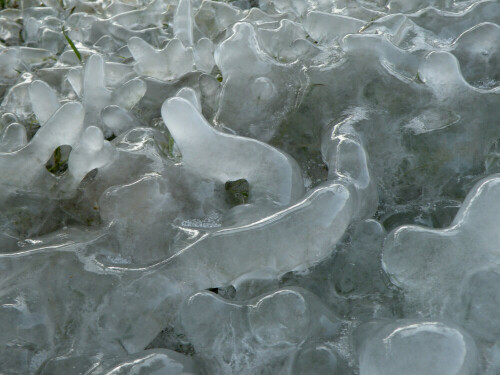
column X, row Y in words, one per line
column 92, row 151
column 476, row 49
column 96, row 96
column 480, row 302
column 232, row 337
column 327, row 27
column 214, row 17
column 44, row 100
column 268, row 88
column 315, row 359
column 226, row 157
column 20, row 168
column 169, row 63
column 276, row 243
column 117, row 119
column 415, row 347
column 169, row 196
column 431, row 264
column 149, row 362
column 14, row 138
column 183, row 22
column 9, row 61
column 347, row 161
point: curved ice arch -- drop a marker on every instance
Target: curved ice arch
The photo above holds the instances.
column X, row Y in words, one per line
column 293, row 238
column 20, row 168
column 272, row 174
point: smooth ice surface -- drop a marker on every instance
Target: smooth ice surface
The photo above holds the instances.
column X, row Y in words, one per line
column 439, row 270
column 415, row 347
column 261, row 187
column 233, row 336
column 272, row 174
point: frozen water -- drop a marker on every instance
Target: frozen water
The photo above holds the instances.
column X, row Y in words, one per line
column 169, row 63
column 264, row 187
column 148, row 362
column 432, row 264
column 268, row 87
column 415, row 347
column 44, row 100
column 262, row 331
column 226, row 157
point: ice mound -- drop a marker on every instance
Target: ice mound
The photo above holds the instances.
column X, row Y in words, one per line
column 264, row 187
column 271, row 174
column 260, row 333
column 439, row 269
column 415, row 347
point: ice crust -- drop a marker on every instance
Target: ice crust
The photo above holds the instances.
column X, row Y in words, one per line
column 261, row 187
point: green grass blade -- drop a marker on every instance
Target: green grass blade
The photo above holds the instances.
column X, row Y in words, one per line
column 72, row 45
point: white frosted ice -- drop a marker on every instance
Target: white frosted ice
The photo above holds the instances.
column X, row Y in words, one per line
column 225, row 157
column 44, row 100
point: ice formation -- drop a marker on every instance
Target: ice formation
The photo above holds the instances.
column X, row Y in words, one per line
column 253, row 187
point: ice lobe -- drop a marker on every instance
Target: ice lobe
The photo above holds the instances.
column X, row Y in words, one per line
column 287, row 43
column 348, row 162
column 9, row 61
column 169, row 63
column 224, row 157
column 432, row 265
column 214, row 17
column 96, row 96
column 13, row 138
column 243, row 337
column 183, row 22
column 147, row 362
column 414, row 347
column 117, row 119
column 91, row 152
column 477, row 51
column 43, row 99
column 151, row 207
column 480, row 301
column 326, row 27
column 191, row 96
column 21, row 167
column 441, row 71
column 268, row 88
column 315, row 359
column 293, row 238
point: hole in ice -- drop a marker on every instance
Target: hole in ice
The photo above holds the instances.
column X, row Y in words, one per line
column 237, row 192
column 58, row 162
